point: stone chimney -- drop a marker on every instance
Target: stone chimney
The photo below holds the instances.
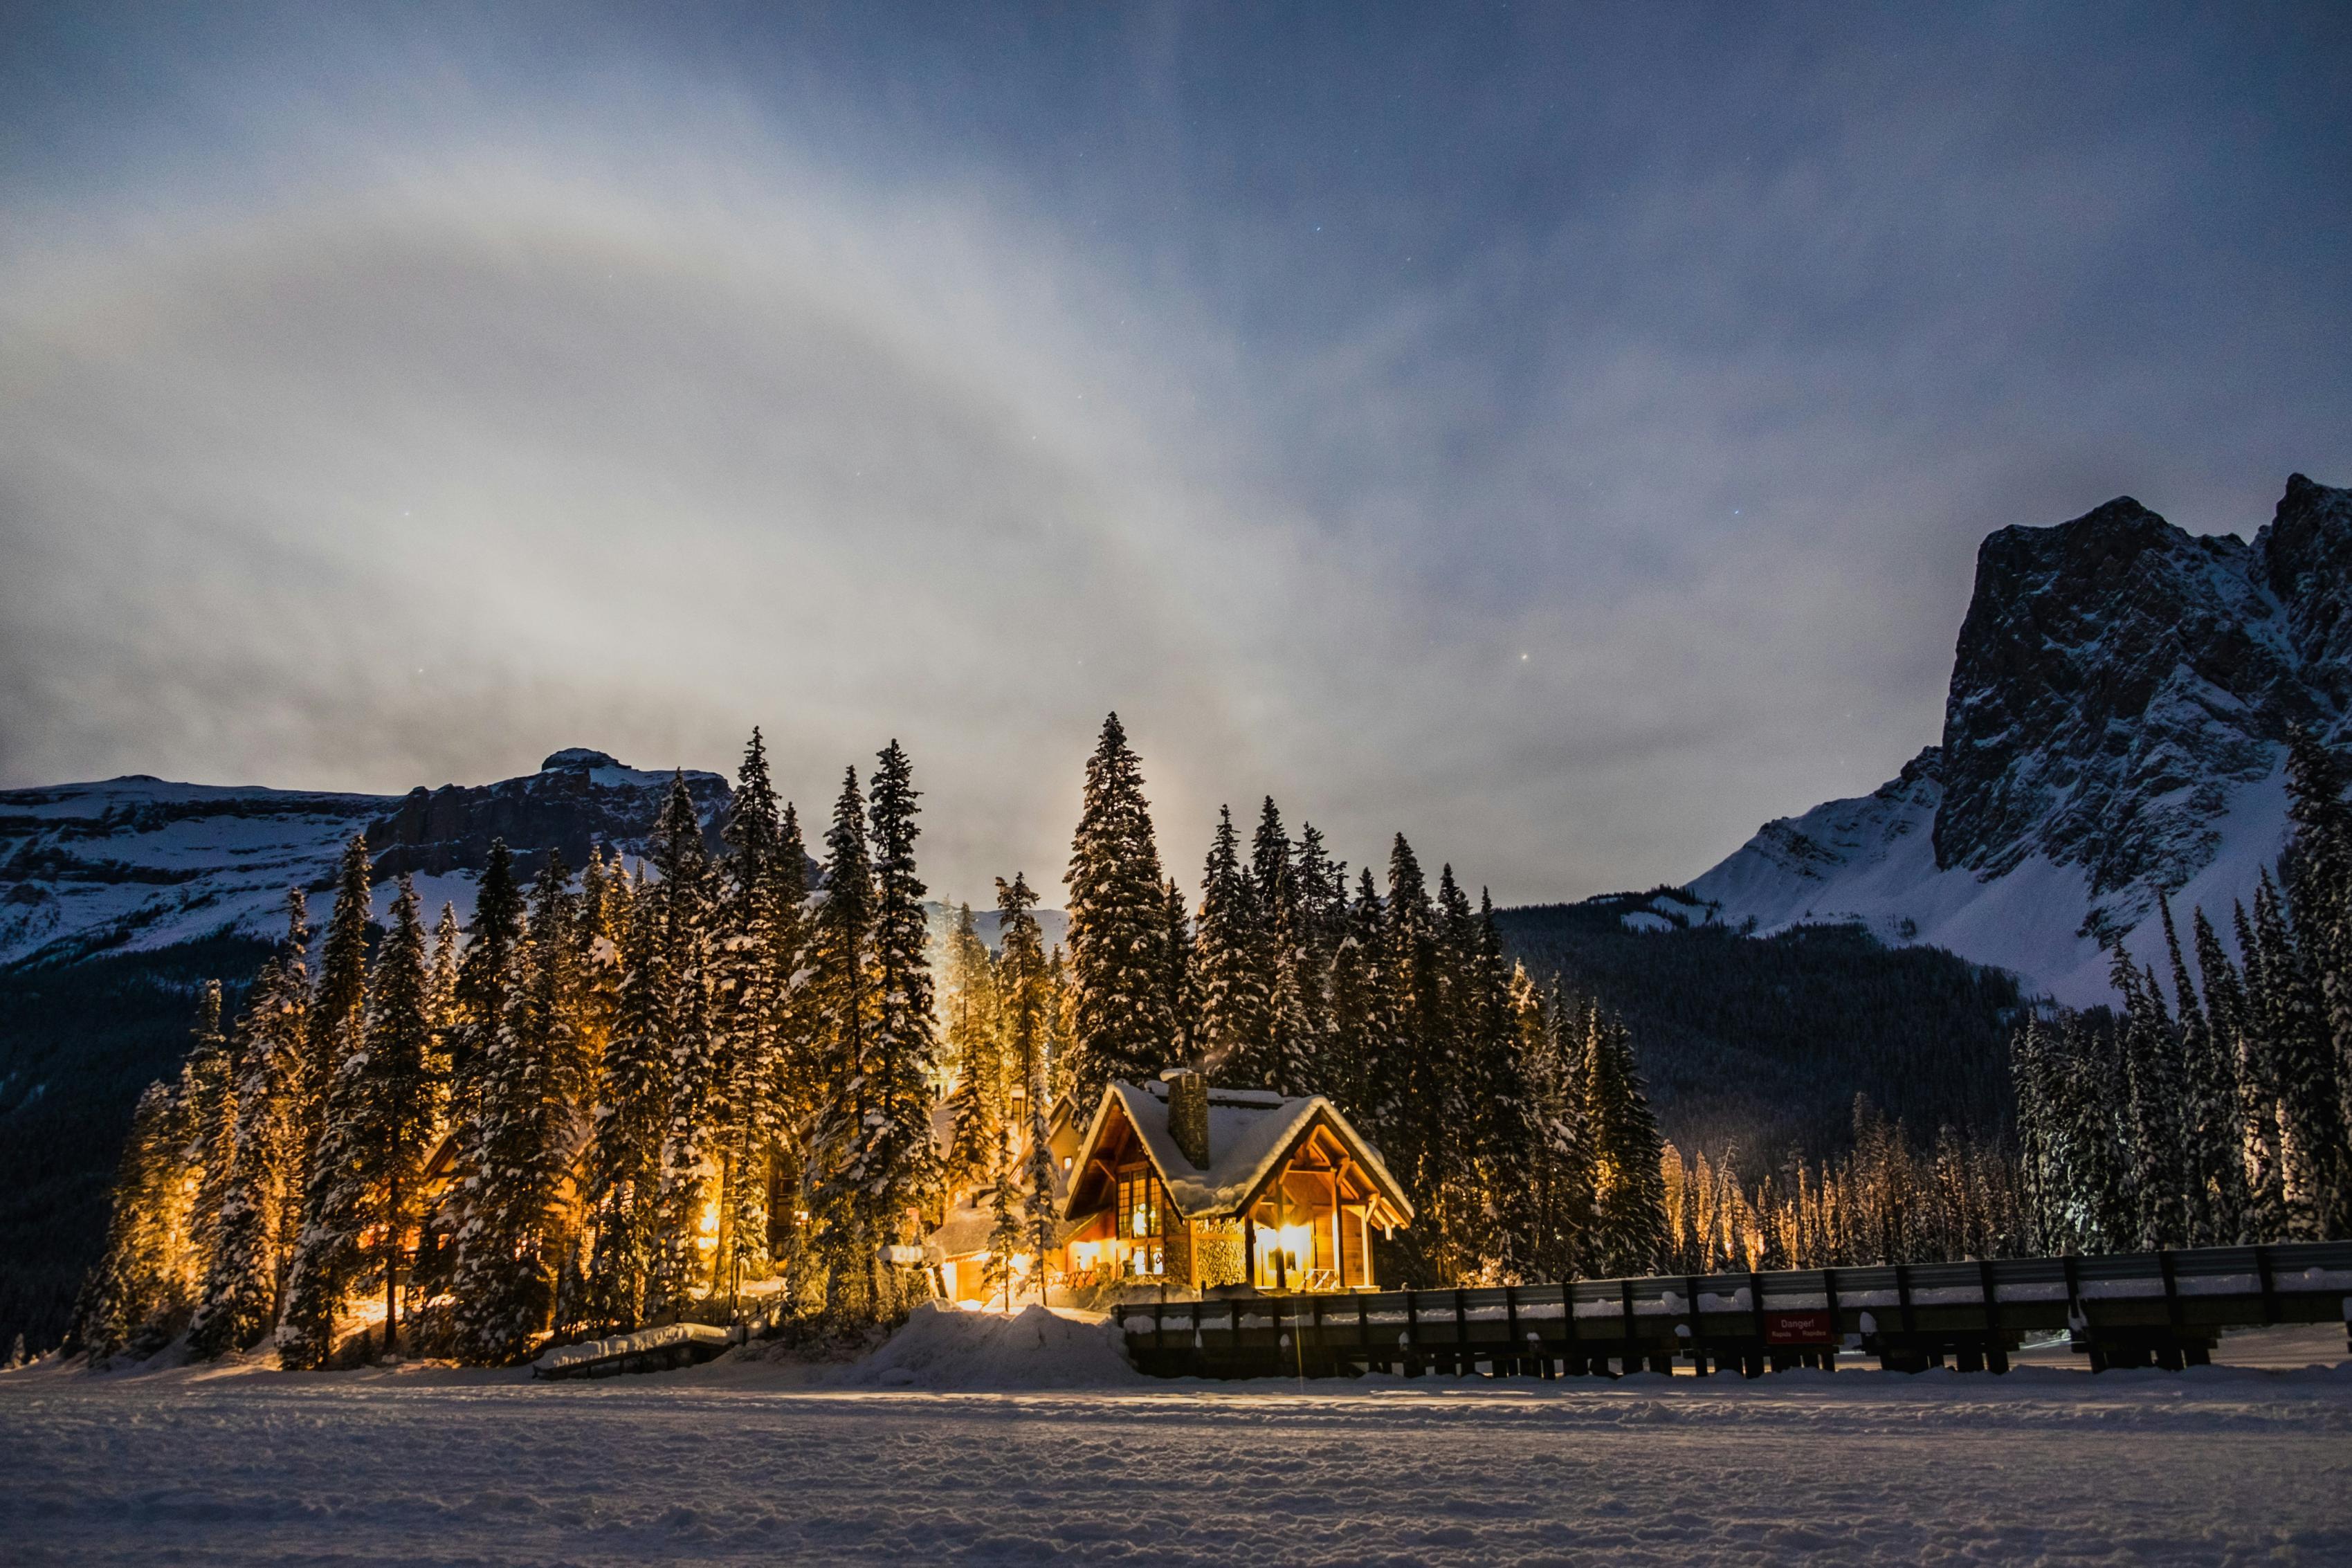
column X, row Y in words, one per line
column 1188, row 1113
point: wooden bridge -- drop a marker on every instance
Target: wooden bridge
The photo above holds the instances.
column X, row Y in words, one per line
column 2160, row 1309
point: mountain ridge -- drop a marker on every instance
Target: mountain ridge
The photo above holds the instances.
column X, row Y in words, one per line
column 2115, row 735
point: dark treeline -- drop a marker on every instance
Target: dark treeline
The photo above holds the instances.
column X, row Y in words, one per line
column 616, row 1097
column 1763, row 1042
column 2209, row 1112
column 1886, row 1200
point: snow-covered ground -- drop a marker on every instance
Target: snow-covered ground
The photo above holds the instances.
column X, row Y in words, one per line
column 757, row 1461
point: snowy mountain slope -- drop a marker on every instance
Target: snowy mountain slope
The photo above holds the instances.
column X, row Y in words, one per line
column 141, row 863
column 2115, row 732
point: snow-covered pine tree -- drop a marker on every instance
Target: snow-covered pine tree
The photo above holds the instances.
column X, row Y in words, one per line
column 2215, row 1092
column 684, row 911
column 2098, row 1109
column 339, row 1012
column 2318, row 867
column 1407, row 1082
column 1227, row 965
column 1507, row 1129
column 1024, row 981
column 207, row 1092
column 975, row 1053
column 448, row 945
column 1182, row 987
column 1283, row 960
column 1061, row 1028
column 474, row 1011
column 401, row 1045
column 896, row 1170
column 2263, row 1140
column 799, row 1056
column 365, row 1171
column 1352, row 1033
column 485, row 975
column 1453, row 1111
column 530, row 1127
column 2156, row 1094
column 1122, row 1027
column 244, row 1270
column 749, row 1013
column 2029, row 1070
column 1628, row 1187
column 132, row 1290
column 2293, row 1013
column 842, row 982
column 1560, row 1193
column 621, row 1186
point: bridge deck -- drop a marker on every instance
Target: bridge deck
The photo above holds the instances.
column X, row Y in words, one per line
column 2164, row 1309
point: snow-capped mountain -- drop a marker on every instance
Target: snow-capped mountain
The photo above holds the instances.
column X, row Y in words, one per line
column 138, row 862
column 2115, row 733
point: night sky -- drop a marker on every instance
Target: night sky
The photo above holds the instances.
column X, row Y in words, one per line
column 1560, row 433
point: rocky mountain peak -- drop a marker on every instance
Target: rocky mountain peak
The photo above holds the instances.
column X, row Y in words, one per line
column 2122, row 692
column 2114, row 678
column 578, row 757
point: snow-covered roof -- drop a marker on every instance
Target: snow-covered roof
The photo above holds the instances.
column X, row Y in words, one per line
column 1250, row 1132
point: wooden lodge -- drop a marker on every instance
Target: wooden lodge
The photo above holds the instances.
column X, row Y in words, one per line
column 1177, row 1189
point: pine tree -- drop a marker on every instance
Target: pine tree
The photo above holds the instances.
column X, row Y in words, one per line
column 339, row 1012
column 2301, row 1068
column 530, row 1128
column 399, row 1122
column 841, row 981
column 134, row 1285
column 1026, row 984
column 1628, row 1187
column 683, row 911
column 1121, row 1026
column 1283, row 963
column 752, row 992
column 244, row 1272
column 2257, row 1094
column 2154, row 1095
column 473, row 1007
column 623, row 1182
column 478, row 1001
column 1505, row 1131
column 896, row 1170
column 1408, row 1081
column 207, row 1091
column 1561, row 1194
column 365, row 1171
column 1182, row 986
column 798, row 1068
column 1235, row 1037
column 975, row 1055
column 2215, row 1090
column 1355, row 1035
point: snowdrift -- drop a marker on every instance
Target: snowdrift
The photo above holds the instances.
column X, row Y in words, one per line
column 946, row 1348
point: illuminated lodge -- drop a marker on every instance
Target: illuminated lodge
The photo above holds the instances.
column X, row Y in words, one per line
column 1180, row 1187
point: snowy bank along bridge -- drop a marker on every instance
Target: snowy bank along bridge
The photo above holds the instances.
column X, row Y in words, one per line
column 2156, row 1309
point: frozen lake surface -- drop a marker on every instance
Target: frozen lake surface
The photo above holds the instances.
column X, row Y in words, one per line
column 750, row 1464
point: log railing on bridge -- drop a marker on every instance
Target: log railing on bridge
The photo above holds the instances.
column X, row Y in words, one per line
column 2160, row 1309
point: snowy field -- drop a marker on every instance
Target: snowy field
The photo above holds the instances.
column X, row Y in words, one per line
column 905, row 1459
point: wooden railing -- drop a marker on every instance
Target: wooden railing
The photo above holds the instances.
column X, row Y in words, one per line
column 2162, row 1308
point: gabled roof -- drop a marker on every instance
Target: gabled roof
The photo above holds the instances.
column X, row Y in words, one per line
column 1250, row 1130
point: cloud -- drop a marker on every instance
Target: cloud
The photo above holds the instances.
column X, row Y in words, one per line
column 1569, row 461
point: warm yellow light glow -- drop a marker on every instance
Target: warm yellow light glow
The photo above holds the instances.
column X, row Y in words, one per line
column 706, row 1228
column 1297, row 1240
column 1085, row 1254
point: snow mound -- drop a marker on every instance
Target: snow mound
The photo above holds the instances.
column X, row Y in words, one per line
column 944, row 1347
column 638, row 1343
